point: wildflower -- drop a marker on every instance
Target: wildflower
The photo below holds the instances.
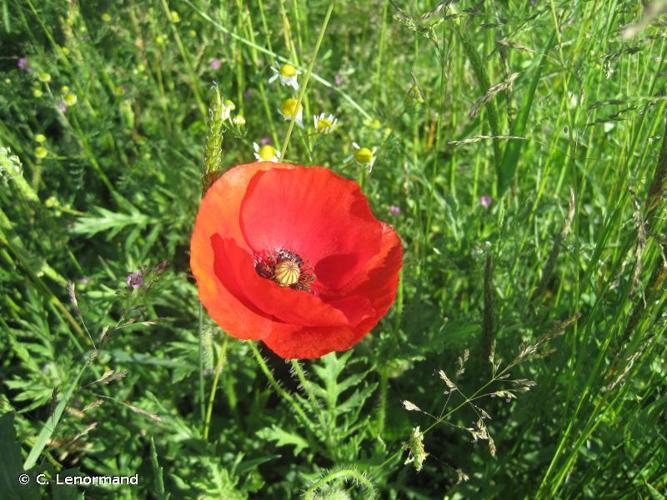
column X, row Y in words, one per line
column 287, row 74
column 70, row 99
column 37, row 93
column 374, row 123
column 135, row 280
column 226, row 111
column 215, row 64
column 44, row 77
column 293, row 256
column 415, row 446
column 40, row 138
column 290, row 109
column 485, row 201
column 363, row 156
column 22, row 63
column 394, row 210
column 175, row 18
column 160, row 39
column 265, row 140
column 61, row 106
column 40, row 152
column 239, row 120
column 410, row 406
column 339, row 79
column 324, row 124
column 247, row 94
column 266, row 152
column 106, row 17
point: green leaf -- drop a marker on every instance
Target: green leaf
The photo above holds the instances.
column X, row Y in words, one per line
column 158, row 473
column 283, row 438
column 513, row 149
column 105, row 220
column 51, row 423
column 10, row 463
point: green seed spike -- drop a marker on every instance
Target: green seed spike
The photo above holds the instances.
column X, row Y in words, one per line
column 213, row 153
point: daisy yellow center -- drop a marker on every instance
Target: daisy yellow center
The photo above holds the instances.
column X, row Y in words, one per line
column 363, row 155
column 287, row 71
column 287, row 272
column 70, row 99
column 290, row 107
column 267, row 152
column 324, row 125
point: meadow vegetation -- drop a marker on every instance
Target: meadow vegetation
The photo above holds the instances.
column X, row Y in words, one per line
column 518, row 148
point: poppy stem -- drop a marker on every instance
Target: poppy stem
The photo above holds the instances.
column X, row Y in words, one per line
column 276, row 386
column 222, row 357
column 326, row 429
column 202, row 404
column 382, row 407
column 302, row 91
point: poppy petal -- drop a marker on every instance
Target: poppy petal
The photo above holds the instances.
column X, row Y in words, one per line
column 316, row 214
column 378, row 284
column 311, row 343
column 379, row 281
column 218, row 213
column 236, row 270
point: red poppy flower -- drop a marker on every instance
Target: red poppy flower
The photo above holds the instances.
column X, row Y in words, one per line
column 293, row 256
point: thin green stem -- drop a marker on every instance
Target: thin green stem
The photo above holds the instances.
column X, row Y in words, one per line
column 277, row 57
column 186, row 58
column 276, row 386
column 309, row 72
column 222, row 358
column 200, row 333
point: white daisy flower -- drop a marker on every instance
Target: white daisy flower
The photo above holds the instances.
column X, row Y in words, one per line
column 227, row 108
column 324, row 124
column 266, row 152
column 290, row 109
column 239, row 120
column 288, row 75
column 363, row 156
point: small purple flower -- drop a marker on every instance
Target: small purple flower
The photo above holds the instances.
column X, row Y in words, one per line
column 265, row 140
column 339, row 79
column 247, row 94
column 394, row 210
column 215, row 64
column 62, row 106
column 135, row 280
column 485, row 201
column 22, row 63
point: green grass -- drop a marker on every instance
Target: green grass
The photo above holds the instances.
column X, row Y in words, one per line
column 545, row 311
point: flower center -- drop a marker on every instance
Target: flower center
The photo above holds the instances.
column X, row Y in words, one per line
column 286, row 268
column 287, row 272
column 290, row 107
column 287, row 70
column 267, row 152
column 323, row 125
column 363, row 155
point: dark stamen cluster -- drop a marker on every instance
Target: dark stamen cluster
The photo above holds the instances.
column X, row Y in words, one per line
column 266, row 262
